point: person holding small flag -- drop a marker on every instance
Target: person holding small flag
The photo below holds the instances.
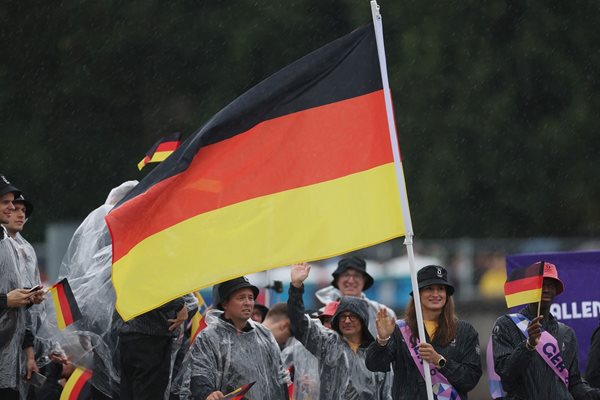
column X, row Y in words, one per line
column 452, row 348
column 233, row 350
column 534, row 354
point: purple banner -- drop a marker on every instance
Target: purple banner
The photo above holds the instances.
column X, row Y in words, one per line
column 579, row 305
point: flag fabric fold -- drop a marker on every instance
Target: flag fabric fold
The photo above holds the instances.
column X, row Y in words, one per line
column 65, row 305
column 162, row 149
column 299, row 168
column 524, row 285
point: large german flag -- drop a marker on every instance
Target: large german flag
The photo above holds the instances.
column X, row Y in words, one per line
column 298, row 168
column 524, row 285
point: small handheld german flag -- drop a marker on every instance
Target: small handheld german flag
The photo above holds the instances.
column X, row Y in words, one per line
column 65, row 305
column 161, row 150
column 78, row 387
column 524, row 285
column 238, row 394
column 198, row 321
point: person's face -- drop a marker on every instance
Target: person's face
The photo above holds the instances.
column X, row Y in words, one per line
column 349, row 323
column 240, row 304
column 548, row 291
column 433, row 297
column 257, row 315
column 6, row 207
column 17, row 218
column 351, row 282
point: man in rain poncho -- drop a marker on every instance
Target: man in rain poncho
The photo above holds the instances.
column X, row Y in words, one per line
column 341, row 350
column 233, row 350
column 303, row 366
column 13, row 340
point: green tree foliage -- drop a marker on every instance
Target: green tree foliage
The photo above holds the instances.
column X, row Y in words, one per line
column 496, row 102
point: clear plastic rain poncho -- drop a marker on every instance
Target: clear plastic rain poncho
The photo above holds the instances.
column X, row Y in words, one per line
column 91, row 341
column 223, row 360
column 307, row 382
column 30, row 273
column 330, row 293
column 12, row 320
column 342, row 372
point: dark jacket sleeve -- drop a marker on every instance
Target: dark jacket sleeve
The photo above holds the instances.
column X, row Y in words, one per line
column 27, row 339
column 379, row 358
column 592, row 372
column 464, row 374
column 511, row 357
column 579, row 389
column 3, row 301
column 299, row 324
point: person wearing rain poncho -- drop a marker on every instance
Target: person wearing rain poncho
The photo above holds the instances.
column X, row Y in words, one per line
column 351, row 278
column 13, row 339
column 302, row 365
column 233, row 350
column 26, row 258
column 341, row 352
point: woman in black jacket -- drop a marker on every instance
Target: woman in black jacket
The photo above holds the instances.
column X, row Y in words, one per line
column 452, row 347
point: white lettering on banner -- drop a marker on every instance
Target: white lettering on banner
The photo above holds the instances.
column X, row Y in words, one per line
column 576, row 310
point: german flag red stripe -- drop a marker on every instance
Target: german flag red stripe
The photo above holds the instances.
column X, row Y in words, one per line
column 298, row 168
column 167, row 146
column 521, row 285
column 273, row 150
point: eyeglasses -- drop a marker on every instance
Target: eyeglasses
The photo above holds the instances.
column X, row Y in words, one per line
column 349, row 275
column 351, row 317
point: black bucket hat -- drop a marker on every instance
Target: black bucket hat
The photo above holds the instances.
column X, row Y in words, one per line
column 28, row 205
column 358, row 307
column 356, row 263
column 7, row 187
column 434, row 275
column 223, row 290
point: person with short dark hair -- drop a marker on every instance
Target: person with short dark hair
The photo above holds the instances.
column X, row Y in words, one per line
column 452, row 347
column 233, row 350
column 341, row 350
column 536, row 356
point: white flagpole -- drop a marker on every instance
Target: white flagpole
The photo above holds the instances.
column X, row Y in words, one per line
column 408, row 241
